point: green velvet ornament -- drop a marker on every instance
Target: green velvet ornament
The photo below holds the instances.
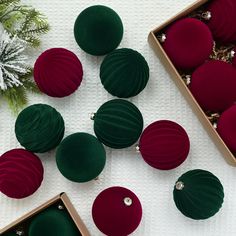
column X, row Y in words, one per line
column 198, row 194
column 98, row 30
column 124, row 73
column 80, row 157
column 53, row 222
column 118, row 123
column 39, row 128
column 9, row 234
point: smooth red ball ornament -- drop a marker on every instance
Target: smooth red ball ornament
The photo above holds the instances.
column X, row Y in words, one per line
column 226, row 127
column 188, row 43
column 58, row 72
column 21, row 173
column 213, row 85
column 117, row 211
column 222, row 21
column 164, row 145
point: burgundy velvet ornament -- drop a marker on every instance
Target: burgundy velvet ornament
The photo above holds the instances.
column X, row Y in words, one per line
column 213, row 85
column 233, row 56
column 226, row 127
column 188, row 43
column 21, row 173
column 117, row 211
column 58, row 72
column 164, row 145
column 222, row 21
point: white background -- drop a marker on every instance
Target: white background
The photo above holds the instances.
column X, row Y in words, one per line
column 160, row 100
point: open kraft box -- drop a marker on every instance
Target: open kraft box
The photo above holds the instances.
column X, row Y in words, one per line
column 157, row 47
column 19, row 227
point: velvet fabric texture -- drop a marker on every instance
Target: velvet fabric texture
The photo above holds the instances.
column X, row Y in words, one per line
column 226, row 127
column 39, row 128
column 21, row 173
column 124, row 73
column 118, row 123
column 112, row 216
column 164, row 145
column 188, row 43
column 80, row 157
column 58, row 72
column 213, row 85
column 98, row 30
column 53, row 222
column 222, row 23
column 202, row 194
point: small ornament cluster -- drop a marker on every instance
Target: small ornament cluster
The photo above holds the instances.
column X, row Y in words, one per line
column 202, row 48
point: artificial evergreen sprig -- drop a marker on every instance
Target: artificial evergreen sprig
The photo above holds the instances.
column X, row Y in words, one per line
column 22, row 25
column 23, row 21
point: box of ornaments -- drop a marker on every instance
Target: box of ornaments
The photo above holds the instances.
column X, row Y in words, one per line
column 55, row 217
column 197, row 46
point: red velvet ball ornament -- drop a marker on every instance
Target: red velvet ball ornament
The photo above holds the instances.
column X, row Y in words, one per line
column 188, row 43
column 117, row 211
column 21, row 173
column 226, row 127
column 213, row 85
column 222, row 21
column 233, row 55
column 164, row 145
column 58, row 72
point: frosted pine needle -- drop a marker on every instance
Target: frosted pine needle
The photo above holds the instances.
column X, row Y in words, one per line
column 13, row 61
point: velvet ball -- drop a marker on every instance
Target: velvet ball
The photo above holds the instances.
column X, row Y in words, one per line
column 188, row 43
column 198, row 194
column 117, row 211
column 80, row 157
column 52, row 222
column 213, row 85
column 234, row 57
column 124, row 73
column 58, row 72
column 226, row 127
column 164, row 145
column 98, row 30
column 39, row 128
column 222, row 21
column 118, row 123
column 21, row 173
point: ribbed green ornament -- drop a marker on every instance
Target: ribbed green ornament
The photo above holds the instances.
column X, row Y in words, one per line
column 39, row 128
column 118, row 123
column 80, row 157
column 198, row 194
column 98, row 30
column 124, row 73
column 53, row 222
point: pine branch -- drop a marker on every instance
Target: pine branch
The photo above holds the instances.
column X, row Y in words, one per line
column 16, row 98
column 8, row 2
column 29, row 83
column 23, row 21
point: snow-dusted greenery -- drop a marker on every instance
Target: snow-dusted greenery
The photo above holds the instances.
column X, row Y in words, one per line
column 20, row 28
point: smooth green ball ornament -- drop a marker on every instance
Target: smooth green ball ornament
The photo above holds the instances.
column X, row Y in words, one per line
column 80, row 157
column 98, row 30
column 198, row 194
column 118, row 123
column 53, row 222
column 39, row 128
column 124, row 73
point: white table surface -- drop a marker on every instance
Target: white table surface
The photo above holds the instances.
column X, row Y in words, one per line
column 160, row 100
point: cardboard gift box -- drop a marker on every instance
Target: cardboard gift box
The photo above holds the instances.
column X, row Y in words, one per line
column 204, row 119
column 20, row 226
